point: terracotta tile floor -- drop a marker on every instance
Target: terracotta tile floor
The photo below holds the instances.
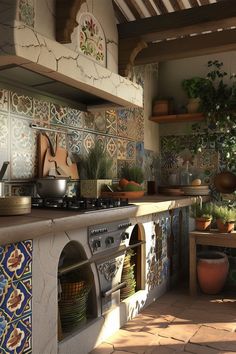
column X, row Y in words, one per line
column 177, row 323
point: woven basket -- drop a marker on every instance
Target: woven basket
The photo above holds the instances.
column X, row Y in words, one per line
column 72, row 290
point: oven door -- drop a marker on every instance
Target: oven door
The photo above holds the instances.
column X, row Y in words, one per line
column 109, row 273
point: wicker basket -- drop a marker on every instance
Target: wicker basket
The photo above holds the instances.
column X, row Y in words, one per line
column 71, row 290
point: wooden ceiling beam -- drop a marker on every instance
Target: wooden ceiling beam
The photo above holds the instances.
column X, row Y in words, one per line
column 150, row 8
column 119, row 13
column 188, row 47
column 193, row 3
column 181, row 23
column 133, row 8
column 161, row 6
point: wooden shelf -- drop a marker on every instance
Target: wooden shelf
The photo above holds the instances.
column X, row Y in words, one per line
column 176, row 118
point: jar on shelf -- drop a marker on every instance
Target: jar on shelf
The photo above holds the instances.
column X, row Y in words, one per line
column 186, row 175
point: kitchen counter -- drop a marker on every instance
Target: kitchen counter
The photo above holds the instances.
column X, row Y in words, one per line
column 42, row 221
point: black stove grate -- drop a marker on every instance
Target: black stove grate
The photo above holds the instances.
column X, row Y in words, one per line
column 78, row 204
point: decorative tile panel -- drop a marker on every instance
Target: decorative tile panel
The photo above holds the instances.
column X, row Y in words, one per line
column 131, row 150
column 112, row 147
column 4, row 99
column 58, row 113
column 140, row 152
column 121, row 149
column 75, row 118
column 122, row 122
column 100, row 122
column 132, row 125
column 16, row 260
column 26, row 12
column 76, row 142
column 101, row 139
column 89, row 121
column 3, row 131
column 111, row 122
column 41, row 110
column 91, row 38
column 88, row 141
column 21, row 104
column 21, row 189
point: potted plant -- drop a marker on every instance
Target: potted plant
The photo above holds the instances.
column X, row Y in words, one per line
column 225, row 218
column 96, row 169
column 203, row 216
column 193, row 87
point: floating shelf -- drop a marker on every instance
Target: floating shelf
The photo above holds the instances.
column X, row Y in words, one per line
column 176, row 118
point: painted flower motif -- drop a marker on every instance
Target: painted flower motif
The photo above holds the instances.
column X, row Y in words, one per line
column 15, row 300
column 3, row 324
column 15, row 260
column 15, row 339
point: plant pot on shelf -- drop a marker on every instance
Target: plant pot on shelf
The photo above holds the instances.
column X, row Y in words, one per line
column 203, row 224
column 226, row 227
column 193, row 105
column 212, row 270
column 160, row 108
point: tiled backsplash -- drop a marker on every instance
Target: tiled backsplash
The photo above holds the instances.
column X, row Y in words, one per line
column 120, row 131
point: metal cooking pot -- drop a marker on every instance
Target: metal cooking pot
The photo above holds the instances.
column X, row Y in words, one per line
column 225, row 182
column 51, row 187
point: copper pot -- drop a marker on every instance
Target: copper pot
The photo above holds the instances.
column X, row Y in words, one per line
column 225, row 182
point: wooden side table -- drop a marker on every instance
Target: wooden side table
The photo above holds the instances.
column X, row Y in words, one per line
column 211, row 238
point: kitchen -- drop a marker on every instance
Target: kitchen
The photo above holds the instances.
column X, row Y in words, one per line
column 51, row 84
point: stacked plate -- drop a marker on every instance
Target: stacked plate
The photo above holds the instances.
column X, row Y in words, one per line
column 73, row 304
column 128, row 276
column 196, row 190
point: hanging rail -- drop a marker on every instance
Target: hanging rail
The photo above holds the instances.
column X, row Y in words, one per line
column 37, row 127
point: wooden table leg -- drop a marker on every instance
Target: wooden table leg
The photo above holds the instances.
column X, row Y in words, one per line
column 192, row 266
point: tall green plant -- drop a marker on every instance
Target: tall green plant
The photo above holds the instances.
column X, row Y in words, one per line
column 134, row 173
column 96, row 164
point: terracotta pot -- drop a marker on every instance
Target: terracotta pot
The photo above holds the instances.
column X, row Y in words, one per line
column 202, row 224
column 193, row 105
column 160, row 108
column 224, row 227
column 212, row 270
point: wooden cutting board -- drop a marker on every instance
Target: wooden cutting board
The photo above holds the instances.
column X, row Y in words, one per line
column 48, row 161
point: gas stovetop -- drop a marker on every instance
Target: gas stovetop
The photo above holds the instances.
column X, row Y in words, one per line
column 78, row 204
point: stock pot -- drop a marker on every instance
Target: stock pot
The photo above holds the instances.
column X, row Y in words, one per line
column 51, row 187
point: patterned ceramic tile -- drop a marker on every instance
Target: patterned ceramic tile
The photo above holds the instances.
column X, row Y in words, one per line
column 132, row 125
column 92, row 41
column 140, row 153
column 3, row 131
column 131, row 150
column 72, row 188
column 21, row 189
column 102, row 140
column 16, row 260
column 26, row 12
column 89, row 121
column 76, row 142
column 58, row 113
column 88, row 141
column 16, row 336
column 121, row 149
column 16, row 300
column 114, row 168
column 122, row 122
column 4, row 97
column 100, row 122
column 41, row 110
column 112, row 147
column 21, row 104
column 111, row 122
column 139, row 119
column 207, row 159
column 75, row 118
column 23, row 149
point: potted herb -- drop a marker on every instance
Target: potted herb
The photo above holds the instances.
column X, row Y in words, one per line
column 96, row 169
column 193, row 87
column 225, row 218
column 203, row 216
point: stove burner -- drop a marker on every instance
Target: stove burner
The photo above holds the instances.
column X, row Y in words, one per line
column 78, row 204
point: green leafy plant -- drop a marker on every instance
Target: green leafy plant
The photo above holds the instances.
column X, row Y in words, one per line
column 193, row 86
column 204, row 210
column 225, row 213
column 96, row 164
column 134, row 173
column 218, row 104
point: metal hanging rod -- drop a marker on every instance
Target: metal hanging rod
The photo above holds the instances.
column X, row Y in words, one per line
column 35, row 126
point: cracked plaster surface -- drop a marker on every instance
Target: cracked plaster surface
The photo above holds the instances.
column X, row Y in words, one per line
column 75, row 69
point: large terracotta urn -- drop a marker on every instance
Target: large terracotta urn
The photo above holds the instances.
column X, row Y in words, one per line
column 212, row 271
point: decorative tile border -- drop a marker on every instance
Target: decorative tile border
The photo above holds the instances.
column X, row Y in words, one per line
column 21, row 104
column 3, row 131
column 26, row 12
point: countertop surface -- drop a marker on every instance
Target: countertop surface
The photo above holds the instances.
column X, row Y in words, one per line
column 43, row 221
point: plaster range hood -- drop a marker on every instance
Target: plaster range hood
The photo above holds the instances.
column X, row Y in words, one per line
column 37, row 62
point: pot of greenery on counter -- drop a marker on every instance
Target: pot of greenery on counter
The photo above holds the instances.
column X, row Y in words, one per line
column 225, row 218
column 192, row 87
column 203, row 216
column 96, row 167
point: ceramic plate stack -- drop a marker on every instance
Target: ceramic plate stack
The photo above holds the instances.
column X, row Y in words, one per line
column 73, row 304
column 196, row 190
column 128, row 276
